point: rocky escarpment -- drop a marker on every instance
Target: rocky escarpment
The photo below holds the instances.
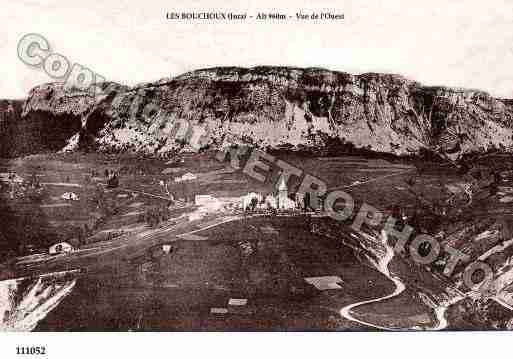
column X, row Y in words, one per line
column 44, row 121
column 273, row 107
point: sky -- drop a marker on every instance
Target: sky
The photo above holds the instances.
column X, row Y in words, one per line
column 464, row 43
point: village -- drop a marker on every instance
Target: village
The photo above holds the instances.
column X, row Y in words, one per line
column 278, row 201
column 99, row 195
column 103, row 192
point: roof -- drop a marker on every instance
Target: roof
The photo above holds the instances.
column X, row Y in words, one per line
column 186, row 177
column 65, row 244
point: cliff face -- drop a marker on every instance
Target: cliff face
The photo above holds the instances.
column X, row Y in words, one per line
column 273, row 107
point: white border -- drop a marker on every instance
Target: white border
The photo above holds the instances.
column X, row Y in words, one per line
column 261, row 345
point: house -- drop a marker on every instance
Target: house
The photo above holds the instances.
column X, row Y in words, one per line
column 70, row 196
column 204, row 200
column 113, row 180
column 10, row 177
column 167, row 248
column 208, row 202
column 62, row 247
column 186, row 177
column 271, row 201
column 300, row 200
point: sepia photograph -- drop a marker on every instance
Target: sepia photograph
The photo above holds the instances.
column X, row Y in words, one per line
column 302, row 167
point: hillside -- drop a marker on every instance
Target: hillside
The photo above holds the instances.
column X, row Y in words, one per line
column 270, row 107
column 10, row 114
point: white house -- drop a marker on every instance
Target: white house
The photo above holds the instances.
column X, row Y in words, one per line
column 207, row 202
column 204, row 200
column 59, row 248
column 186, row 177
column 70, row 196
column 166, row 248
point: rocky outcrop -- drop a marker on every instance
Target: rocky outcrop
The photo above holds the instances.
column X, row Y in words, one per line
column 24, row 302
column 274, row 107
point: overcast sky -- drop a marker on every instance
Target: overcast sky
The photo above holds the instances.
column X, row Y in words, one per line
column 465, row 43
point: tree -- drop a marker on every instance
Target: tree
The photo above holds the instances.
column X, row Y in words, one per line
column 306, row 201
column 253, row 203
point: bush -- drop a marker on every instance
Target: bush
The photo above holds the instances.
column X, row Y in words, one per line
column 23, row 227
column 28, row 190
column 155, row 215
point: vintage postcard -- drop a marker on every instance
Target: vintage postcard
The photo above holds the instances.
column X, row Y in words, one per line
column 333, row 166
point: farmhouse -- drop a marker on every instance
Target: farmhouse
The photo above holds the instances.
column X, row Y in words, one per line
column 62, row 247
column 186, row 177
column 207, row 201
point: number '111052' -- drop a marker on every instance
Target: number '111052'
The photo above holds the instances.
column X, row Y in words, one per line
column 29, row 350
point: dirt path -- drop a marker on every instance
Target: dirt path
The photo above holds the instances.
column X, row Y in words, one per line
column 62, row 184
column 358, row 183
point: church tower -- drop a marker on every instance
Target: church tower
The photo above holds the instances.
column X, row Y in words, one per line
column 283, row 193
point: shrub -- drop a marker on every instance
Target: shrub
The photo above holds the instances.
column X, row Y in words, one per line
column 155, row 215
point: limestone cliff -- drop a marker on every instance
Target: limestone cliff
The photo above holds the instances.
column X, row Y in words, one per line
column 272, row 107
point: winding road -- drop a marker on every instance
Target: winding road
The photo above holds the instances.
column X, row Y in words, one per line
column 382, row 266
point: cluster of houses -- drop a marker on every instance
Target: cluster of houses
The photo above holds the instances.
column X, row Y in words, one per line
column 280, row 200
